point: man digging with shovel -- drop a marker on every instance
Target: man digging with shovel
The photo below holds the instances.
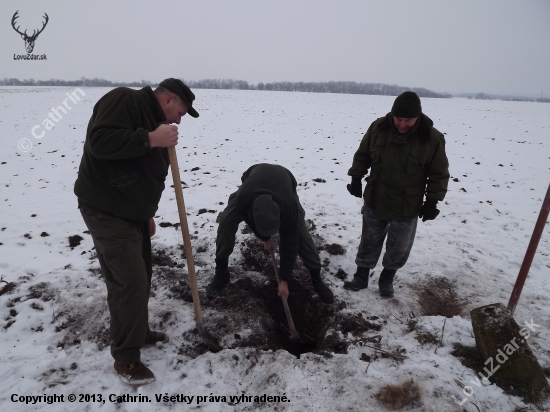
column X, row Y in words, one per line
column 267, row 201
column 120, row 182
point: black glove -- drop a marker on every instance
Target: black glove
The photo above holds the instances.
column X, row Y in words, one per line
column 429, row 210
column 355, row 188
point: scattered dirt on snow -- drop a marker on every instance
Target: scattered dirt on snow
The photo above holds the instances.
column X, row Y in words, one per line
column 249, row 314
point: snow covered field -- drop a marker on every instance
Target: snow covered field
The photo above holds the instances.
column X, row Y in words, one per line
column 499, row 155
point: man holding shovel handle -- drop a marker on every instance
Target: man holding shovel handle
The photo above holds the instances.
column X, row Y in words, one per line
column 267, row 201
column 119, row 185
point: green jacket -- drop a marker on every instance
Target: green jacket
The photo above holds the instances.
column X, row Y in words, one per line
column 403, row 167
column 119, row 171
column 278, row 182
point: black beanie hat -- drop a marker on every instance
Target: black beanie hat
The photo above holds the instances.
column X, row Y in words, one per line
column 266, row 215
column 183, row 91
column 407, row 105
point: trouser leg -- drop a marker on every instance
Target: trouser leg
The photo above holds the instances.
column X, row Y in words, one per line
column 124, row 251
column 399, row 243
column 227, row 229
column 372, row 239
column 306, row 247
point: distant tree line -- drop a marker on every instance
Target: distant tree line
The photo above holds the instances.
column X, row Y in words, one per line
column 483, row 96
column 219, row 84
column 95, row 82
column 314, row 87
column 348, row 88
column 310, row 87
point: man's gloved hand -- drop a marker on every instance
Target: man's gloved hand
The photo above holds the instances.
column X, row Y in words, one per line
column 429, row 210
column 355, row 188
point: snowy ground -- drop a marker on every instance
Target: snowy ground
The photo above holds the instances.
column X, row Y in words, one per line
column 499, row 155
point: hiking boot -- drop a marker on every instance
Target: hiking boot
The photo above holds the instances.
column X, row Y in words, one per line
column 360, row 280
column 322, row 290
column 221, row 278
column 153, row 337
column 135, row 374
column 385, row 283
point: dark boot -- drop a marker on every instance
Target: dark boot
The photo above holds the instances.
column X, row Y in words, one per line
column 360, row 280
column 318, row 286
column 221, row 278
column 135, row 374
column 385, row 283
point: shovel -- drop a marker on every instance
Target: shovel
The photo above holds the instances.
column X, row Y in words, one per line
column 210, row 340
column 293, row 332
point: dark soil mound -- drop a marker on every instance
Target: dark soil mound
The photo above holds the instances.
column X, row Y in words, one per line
column 249, row 314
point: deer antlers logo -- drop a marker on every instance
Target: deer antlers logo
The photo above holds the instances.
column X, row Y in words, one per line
column 29, row 40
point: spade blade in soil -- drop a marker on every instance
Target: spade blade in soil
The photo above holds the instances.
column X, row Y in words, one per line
column 210, row 340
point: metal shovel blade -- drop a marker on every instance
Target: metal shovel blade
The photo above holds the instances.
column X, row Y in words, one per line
column 210, row 340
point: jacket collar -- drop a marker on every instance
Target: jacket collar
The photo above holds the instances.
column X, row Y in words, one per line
column 150, row 96
column 421, row 128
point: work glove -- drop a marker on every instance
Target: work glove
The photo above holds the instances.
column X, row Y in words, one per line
column 429, row 210
column 355, row 188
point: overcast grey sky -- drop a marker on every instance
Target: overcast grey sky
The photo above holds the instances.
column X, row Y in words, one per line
column 491, row 46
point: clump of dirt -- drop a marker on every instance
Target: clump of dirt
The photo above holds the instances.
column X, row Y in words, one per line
column 160, row 257
column 74, row 241
column 438, row 297
column 175, row 282
column 397, row 396
column 256, row 258
column 168, row 224
column 41, row 291
column 202, row 211
column 341, row 274
column 8, row 288
column 335, row 249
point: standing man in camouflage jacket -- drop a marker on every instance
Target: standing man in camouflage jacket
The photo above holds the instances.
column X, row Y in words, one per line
column 119, row 185
column 407, row 160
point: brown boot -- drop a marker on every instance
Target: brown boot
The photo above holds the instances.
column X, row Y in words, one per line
column 153, row 337
column 135, row 374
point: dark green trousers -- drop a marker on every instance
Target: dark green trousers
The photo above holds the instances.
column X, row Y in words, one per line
column 229, row 224
column 124, row 251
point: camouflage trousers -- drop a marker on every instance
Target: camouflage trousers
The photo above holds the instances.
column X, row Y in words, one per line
column 400, row 238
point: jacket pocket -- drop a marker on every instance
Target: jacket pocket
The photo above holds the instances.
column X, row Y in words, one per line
column 416, row 163
column 122, row 180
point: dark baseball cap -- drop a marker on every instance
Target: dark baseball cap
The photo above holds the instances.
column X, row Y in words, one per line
column 266, row 214
column 183, row 91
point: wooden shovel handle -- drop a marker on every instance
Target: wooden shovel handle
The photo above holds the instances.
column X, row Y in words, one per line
column 291, row 326
column 185, row 232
